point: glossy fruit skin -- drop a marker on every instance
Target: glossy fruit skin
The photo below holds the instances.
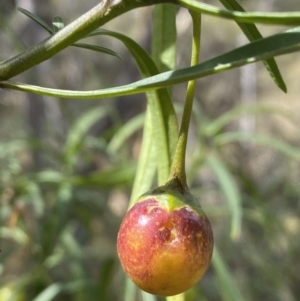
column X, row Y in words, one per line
column 165, row 247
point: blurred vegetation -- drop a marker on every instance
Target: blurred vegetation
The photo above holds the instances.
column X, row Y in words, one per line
column 67, row 166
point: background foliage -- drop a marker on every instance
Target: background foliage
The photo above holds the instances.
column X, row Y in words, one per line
column 67, row 166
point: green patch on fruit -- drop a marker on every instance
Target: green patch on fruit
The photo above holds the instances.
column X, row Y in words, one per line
column 173, row 196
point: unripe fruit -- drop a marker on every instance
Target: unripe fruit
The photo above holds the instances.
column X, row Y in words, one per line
column 165, row 241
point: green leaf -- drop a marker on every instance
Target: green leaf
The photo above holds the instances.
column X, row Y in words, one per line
column 163, row 53
column 213, row 127
column 106, row 277
column 57, row 23
column 115, row 176
column 227, row 287
column 10, row 147
column 97, row 48
column 15, row 233
column 36, row 19
column 125, row 132
column 49, row 293
column 277, row 144
column 147, row 162
column 279, row 44
column 35, row 198
column 164, row 36
column 164, row 124
column 230, row 191
column 71, row 246
column 252, row 33
column 78, row 131
column 49, row 176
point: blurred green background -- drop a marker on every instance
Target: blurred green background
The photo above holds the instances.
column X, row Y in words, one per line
column 67, row 166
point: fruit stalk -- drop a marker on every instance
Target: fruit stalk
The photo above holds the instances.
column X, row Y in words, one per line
column 178, row 165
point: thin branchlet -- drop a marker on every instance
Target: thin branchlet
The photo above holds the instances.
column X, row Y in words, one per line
column 178, row 166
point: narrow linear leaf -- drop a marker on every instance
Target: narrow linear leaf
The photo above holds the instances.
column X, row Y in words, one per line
column 97, row 48
column 76, row 285
column 35, row 198
column 164, row 36
column 230, row 191
column 49, row 293
column 49, row 176
column 125, row 132
column 213, row 127
column 78, row 130
column 277, row 144
column 142, row 58
column 163, row 52
column 227, row 287
column 9, row 147
column 97, row 143
column 279, row 44
column 53, row 290
column 16, row 234
column 105, row 278
column 163, row 143
column 117, row 176
column 147, row 162
column 252, row 33
column 36, row 19
column 70, row 244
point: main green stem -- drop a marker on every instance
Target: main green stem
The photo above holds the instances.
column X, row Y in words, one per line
column 178, row 165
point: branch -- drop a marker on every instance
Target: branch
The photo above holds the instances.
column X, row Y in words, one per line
column 96, row 17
